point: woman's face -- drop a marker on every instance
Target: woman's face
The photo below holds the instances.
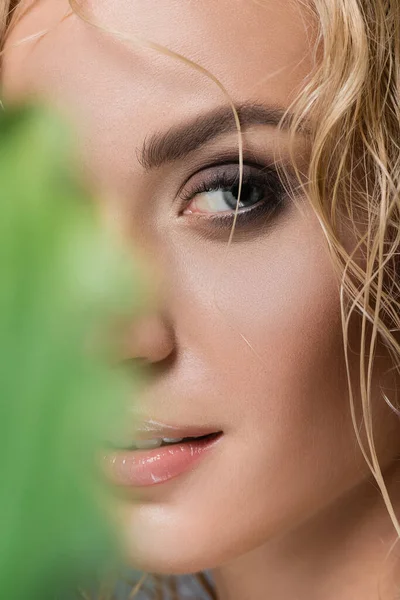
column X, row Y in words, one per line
column 247, row 342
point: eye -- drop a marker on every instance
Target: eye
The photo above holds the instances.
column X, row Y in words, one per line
column 225, row 198
column 213, row 193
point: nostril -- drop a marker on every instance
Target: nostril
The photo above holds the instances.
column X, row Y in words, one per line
column 162, row 365
column 152, row 368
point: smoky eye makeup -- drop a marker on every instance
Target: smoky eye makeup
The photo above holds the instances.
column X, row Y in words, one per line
column 210, row 196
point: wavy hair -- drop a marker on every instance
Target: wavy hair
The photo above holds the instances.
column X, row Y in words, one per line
column 351, row 98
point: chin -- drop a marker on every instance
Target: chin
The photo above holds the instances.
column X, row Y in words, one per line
column 174, row 539
column 155, row 541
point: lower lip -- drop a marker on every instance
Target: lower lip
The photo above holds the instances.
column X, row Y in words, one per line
column 140, row 468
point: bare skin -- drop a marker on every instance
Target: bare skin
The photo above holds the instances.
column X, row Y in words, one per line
column 250, row 342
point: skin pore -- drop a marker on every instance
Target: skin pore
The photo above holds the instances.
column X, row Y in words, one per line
column 248, row 342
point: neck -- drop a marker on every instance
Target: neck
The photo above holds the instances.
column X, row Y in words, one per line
column 339, row 554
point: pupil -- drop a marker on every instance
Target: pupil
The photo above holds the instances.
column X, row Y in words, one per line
column 251, row 194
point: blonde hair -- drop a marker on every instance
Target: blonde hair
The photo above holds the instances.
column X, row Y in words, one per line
column 354, row 178
column 351, row 98
column 6, row 8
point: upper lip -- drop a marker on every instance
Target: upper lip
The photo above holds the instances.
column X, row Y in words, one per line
column 150, row 430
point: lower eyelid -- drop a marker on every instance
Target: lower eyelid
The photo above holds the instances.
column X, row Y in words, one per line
column 217, row 214
column 259, row 215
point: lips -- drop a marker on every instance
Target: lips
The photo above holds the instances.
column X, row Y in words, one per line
column 158, row 453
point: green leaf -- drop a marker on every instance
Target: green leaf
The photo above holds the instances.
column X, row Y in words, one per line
column 63, row 279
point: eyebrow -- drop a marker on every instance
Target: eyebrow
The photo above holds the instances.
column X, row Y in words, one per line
column 179, row 141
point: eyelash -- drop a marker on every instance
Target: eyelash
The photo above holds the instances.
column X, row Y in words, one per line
column 259, row 176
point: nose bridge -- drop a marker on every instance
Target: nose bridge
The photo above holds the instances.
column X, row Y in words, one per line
column 150, row 335
column 141, row 247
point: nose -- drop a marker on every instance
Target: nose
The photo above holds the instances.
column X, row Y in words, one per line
column 149, row 337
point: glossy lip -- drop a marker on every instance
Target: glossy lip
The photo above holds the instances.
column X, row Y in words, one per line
column 150, row 429
column 138, row 468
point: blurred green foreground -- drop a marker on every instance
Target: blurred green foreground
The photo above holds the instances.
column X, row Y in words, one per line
column 63, row 278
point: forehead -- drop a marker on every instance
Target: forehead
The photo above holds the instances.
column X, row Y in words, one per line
column 251, row 46
column 121, row 90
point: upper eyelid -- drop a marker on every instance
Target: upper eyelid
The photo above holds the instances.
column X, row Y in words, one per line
column 264, row 172
column 230, row 156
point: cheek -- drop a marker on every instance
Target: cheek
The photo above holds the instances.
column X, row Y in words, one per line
column 270, row 339
column 266, row 317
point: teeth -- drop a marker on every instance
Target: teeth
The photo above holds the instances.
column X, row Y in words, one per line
column 148, row 444
column 156, row 443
